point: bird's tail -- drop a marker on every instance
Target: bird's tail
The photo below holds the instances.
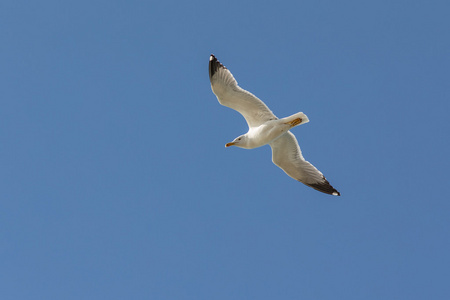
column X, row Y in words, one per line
column 296, row 119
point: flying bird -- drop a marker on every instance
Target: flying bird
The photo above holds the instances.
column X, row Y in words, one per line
column 265, row 128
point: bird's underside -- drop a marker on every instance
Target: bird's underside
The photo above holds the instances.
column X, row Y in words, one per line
column 286, row 152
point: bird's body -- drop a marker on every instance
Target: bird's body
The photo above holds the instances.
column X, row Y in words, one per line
column 269, row 131
column 265, row 128
column 265, row 133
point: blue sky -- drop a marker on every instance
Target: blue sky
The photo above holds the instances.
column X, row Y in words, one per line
column 115, row 182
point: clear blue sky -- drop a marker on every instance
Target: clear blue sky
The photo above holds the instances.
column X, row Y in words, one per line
column 115, row 182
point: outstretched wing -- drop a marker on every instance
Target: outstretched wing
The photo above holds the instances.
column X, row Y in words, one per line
column 287, row 155
column 231, row 95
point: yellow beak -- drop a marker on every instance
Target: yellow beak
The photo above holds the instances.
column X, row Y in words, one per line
column 229, row 144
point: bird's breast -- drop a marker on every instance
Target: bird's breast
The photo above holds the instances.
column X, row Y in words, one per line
column 266, row 133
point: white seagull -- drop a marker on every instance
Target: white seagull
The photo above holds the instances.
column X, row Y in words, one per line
column 266, row 128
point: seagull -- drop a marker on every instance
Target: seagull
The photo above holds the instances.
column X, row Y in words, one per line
column 265, row 128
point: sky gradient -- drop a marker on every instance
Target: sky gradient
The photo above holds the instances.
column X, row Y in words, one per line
column 115, row 182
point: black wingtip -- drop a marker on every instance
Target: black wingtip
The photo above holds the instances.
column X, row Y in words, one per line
column 214, row 65
column 325, row 187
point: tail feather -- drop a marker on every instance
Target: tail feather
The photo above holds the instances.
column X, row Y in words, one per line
column 293, row 119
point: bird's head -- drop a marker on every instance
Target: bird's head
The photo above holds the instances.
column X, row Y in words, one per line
column 240, row 141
